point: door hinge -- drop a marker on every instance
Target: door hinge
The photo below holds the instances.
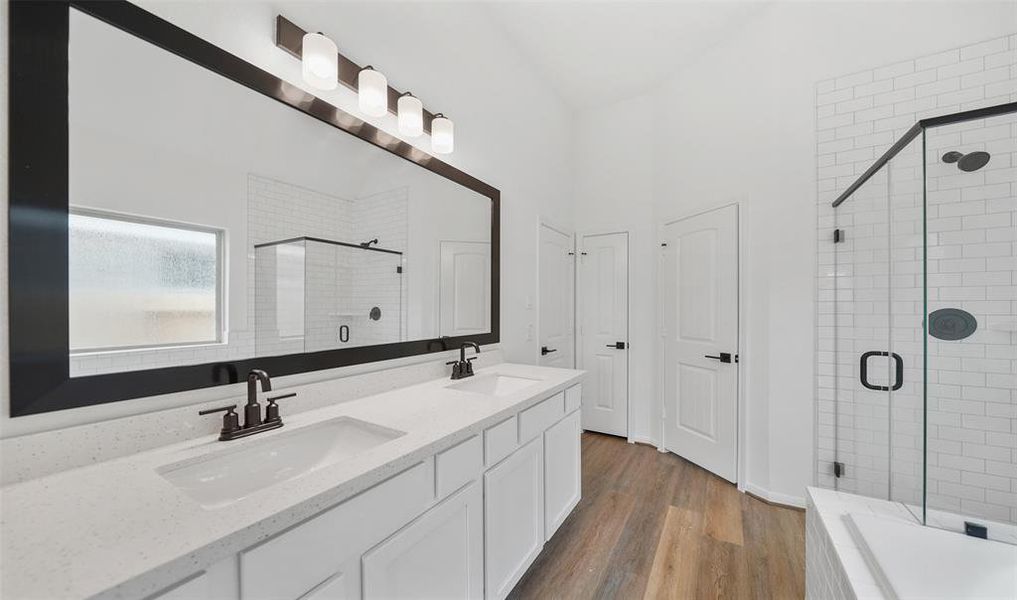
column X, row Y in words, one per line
column 838, row 469
column 838, row 236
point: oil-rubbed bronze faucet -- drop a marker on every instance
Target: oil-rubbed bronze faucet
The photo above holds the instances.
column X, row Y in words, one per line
column 253, row 423
column 464, row 366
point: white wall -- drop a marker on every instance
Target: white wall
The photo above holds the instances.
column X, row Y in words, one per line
column 739, row 125
column 511, row 132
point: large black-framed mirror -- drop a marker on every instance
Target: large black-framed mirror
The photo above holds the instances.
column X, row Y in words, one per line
column 179, row 216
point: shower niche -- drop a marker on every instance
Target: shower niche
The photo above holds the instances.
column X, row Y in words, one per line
column 917, row 325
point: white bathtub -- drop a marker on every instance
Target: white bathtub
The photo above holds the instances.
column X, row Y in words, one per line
column 911, row 562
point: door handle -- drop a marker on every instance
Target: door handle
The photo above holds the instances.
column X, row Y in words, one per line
column 545, row 350
column 617, row 345
column 725, row 357
column 863, row 371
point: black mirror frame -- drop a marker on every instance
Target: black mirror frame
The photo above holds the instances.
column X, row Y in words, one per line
column 38, row 214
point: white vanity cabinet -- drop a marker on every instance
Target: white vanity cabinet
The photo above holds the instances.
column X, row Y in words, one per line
column 465, row 523
column 562, row 472
column 320, row 558
column 440, row 555
column 513, row 517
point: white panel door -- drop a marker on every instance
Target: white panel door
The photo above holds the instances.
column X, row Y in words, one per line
column 699, row 296
column 440, row 555
column 464, row 302
column 562, row 472
column 557, row 300
column 513, row 518
column 603, row 304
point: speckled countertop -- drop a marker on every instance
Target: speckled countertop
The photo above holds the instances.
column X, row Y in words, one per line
column 118, row 529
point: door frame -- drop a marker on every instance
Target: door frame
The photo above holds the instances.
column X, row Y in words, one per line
column 741, row 428
column 628, row 316
column 551, row 224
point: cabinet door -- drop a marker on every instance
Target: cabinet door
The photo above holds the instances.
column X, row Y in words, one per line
column 320, row 558
column 440, row 555
column 562, row 472
column 513, row 517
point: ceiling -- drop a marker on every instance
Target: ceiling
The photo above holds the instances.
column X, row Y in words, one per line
column 594, row 53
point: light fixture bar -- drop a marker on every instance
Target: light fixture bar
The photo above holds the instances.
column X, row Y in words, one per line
column 290, row 37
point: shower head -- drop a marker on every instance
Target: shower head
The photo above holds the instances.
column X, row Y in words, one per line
column 967, row 162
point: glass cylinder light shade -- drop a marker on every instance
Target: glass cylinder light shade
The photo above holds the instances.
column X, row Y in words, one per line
column 411, row 115
column 442, row 135
column 372, row 92
column 320, row 61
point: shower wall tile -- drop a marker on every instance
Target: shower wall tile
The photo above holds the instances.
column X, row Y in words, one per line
column 869, row 292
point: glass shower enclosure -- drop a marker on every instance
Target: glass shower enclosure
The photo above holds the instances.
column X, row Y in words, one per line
column 314, row 294
column 917, row 325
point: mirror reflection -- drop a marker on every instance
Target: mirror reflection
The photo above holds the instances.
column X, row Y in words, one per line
column 211, row 223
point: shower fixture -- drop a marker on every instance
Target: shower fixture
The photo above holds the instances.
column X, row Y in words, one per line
column 967, row 162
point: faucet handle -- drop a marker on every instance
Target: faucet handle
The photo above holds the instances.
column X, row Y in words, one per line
column 230, row 420
column 272, row 409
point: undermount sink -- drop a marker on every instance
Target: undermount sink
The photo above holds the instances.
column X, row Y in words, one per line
column 494, row 385
column 233, row 474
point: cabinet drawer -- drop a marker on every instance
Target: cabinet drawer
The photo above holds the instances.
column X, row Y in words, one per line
column 458, row 465
column 500, row 440
column 534, row 420
column 573, row 398
column 320, row 549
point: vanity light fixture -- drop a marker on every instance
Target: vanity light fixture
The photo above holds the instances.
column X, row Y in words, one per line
column 442, row 134
column 411, row 115
column 372, row 92
column 320, row 61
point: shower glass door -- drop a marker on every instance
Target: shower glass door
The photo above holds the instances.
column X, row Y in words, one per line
column 876, row 278
column 860, row 325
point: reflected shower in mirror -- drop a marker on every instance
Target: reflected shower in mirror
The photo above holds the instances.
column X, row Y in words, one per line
column 210, row 223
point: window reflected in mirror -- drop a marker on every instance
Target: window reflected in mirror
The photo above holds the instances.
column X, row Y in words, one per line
column 136, row 284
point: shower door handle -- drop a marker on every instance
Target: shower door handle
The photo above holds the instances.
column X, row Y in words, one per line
column 863, row 371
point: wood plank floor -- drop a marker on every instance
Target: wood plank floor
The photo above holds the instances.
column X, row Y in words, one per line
column 653, row 525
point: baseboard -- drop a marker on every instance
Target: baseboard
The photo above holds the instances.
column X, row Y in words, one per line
column 773, row 497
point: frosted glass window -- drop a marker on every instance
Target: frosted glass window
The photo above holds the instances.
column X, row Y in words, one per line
column 139, row 284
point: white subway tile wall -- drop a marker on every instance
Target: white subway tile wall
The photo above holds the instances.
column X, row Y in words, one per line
column 870, row 292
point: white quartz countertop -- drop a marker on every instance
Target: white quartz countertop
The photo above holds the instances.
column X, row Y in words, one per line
column 118, row 529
